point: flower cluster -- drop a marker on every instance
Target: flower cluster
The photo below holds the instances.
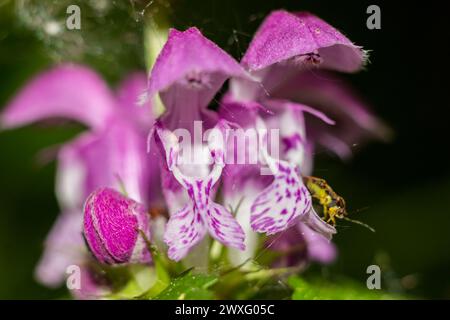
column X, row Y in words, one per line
column 283, row 83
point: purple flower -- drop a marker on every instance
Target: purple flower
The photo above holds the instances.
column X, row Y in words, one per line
column 68, row 91
column 300, row 244
column 301, row 38
column 286, row 200
column 305, row 106
column 273, row 88
column 200, row 214
column 93, row 284
column 64, row 246
column 354, row 121
column 187, row 74
column 111, row 154
column 112, row 226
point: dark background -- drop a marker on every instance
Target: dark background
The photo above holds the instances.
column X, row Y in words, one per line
column 402, row 188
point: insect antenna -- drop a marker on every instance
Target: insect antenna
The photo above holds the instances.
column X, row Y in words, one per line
column 359, row 222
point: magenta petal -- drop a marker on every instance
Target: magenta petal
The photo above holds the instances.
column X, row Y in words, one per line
column 288, row 118
column 300, row 244
column 73, row 171
column 69, row 91
column 111, row 228
column 188, row 73
column 125, row 162
column 93, row 286
column 243, row 113
column 63, row 247
column 301, row 36
column 242, row 167
column 223, row 227
column 187, row 226
column 314, row 222
column 115, row 157
column 333, row 96
column 281, row 204
column 320, row 248
column 183, row 231
column 130, row 94
column 174, row 194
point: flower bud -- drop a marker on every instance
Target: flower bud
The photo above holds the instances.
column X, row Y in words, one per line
column 112, row 224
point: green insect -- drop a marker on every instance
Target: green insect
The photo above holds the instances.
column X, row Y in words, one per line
column 333, row 205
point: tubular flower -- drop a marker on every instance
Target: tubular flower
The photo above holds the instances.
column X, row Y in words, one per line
column 201, row 214
column 274, row 99
column 307, row 109
column 286, row 200
column 187, row 74
column 111, row 154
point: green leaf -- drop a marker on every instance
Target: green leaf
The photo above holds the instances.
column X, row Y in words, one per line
column 189, row 286
column 320, row 289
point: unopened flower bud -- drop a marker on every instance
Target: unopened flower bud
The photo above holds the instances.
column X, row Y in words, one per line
column 112, row 227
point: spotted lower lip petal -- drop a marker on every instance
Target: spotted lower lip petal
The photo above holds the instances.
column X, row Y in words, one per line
column 285, row 200
column 281, row 204
column 200, row 214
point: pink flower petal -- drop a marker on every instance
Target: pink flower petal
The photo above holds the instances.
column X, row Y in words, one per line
column 223, row 226
column 183, row 231
column 299, row 245
column 64, row 246
column 333, row 96
column 281, row 204
column 129, row 94
column 115, row 157
column 188, row 73
column 319, row 247
column 288, row 117
column 188, row 226
column 70, row 91
column 93, row 285
column 301, row 37
column 314, row 222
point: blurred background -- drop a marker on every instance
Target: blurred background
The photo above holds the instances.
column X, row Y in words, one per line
column 401, row 188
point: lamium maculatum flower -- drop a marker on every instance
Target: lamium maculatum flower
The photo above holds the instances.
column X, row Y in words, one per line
column 287, row 48
column 116, row 228
column 187, row 74
column 282, row 83
column 200, row 214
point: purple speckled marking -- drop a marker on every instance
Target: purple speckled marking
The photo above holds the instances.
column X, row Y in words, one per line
column 202, row 214
column 292, row 142
column 278, row 206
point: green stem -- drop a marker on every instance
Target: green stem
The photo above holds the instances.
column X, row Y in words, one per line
column 161, row 266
